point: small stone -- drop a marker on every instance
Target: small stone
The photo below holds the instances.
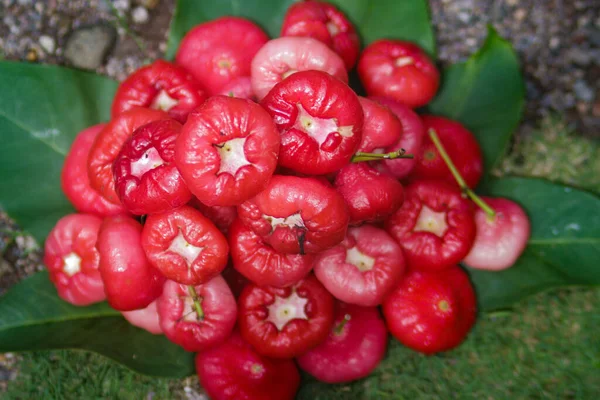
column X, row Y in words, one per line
column 579, row 56
column 122, row 5
column 520, row 14
column 47, row 43
column 32, row 55
column 471, row 42
column 512, row 3
column 87, row 47
column 554, row 43
column 140, row 15
column 464, row 17
column 583, row 91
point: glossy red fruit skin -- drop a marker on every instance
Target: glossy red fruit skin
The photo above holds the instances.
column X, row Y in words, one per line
column 261, row 263
column 148, row 86
column 150, row 190
column 313, row 214
column 461, row 146
column 351, row 352
column 381, row 128
column 221, row 121
column 425, row 250
column 130, row 282
column 239, row 87
column 221, row 216
column 180, row 322
column 146, row 318
column 283, row 56
column 75, row 182
column 108, row 144
column 314, row 99
column 500, row 241
column 370, row 195
column 235, row 371
column 411, row 139
column 325, row 23
column 75, row 234
column 219, row 51
column 338, row 268
column 398, row 70
column 184, row 245
column 298, row 335
column 417, row 316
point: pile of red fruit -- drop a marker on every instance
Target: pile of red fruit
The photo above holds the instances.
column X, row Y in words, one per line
column 246, row 203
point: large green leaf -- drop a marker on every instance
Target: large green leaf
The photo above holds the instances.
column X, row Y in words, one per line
column 33, row 317
column 486, row 94
column 42, row 108
column 564, row 248
column 374, row 19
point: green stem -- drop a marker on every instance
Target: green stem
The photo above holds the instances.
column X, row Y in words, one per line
column 360, row 156
column 457, row 176
column 195, row 299
column 340, row 327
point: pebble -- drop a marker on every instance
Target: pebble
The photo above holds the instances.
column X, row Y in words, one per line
column 87, row 47
column 140, row 15
column 579, row 56
column 583, row 91
column 47, row 43
column 554, row 43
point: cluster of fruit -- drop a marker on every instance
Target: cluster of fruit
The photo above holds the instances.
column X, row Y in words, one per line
column 245, row 202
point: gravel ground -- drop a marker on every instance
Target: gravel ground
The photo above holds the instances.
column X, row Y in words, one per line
column 558, row 42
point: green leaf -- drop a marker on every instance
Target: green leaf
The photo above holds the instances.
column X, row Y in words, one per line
column 374, row 19
column 391, row 19
column 33, row 317
column 42, row 108
column 486, row 94
column 564, row 248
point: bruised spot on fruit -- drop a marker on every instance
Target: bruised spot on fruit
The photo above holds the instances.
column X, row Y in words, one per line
column 359, row 259
column 319, row 128
column 71, row 264
column 189, row 313
column 443, row 305
column 232, row 156
column 291, row 221
column 288, row 73
column 186, row 250
column 163, row 101
column 403, row 61
column 431, row 221
column 286, row 309
column 332, row 28
column 147, row 162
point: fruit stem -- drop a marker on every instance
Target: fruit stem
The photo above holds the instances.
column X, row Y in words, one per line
column 360, row 156
column 340, row 327
column 459, row 179
column 196, row 300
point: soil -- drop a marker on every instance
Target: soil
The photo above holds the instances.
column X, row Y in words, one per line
column 558, row 42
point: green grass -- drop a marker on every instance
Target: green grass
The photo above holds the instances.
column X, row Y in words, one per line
column 547, row 347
